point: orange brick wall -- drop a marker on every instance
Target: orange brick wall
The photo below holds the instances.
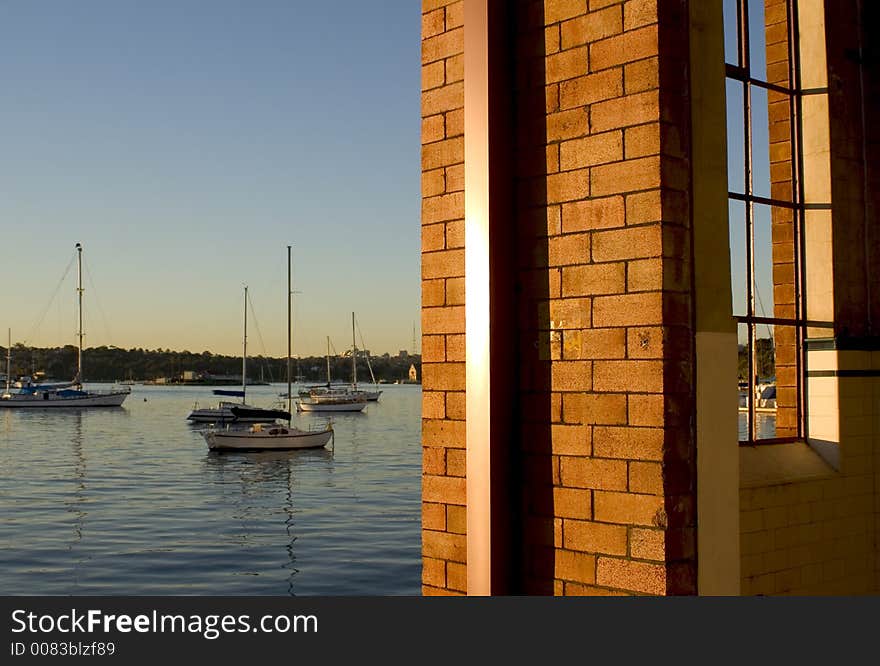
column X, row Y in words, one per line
column 605, row 324
column 443, row 372
column 604, row 444
column 782, row 219
column 603, row 417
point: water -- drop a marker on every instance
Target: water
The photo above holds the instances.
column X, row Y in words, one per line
column 765, row 426
column 130, row 501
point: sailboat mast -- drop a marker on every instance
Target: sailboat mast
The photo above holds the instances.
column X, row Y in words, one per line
column 8, row 360
column 328, row 361
column 354, row 367
column 79, row 291
column 244, row 352
column 289, row 334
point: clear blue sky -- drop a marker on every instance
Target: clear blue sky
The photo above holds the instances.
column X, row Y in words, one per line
column 185, row 144
column 763, row 258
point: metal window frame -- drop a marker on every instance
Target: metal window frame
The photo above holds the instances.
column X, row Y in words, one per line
column 741, row 73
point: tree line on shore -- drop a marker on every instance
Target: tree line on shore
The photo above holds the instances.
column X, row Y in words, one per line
column 765, row 359
column 103, row 364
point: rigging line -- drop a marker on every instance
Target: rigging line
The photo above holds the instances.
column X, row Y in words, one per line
column 364, row 350
column 36, row 326
column 260, row 337
column 763, row 313
column 97, row 301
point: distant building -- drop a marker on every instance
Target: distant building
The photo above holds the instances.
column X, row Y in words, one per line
column 403, row 354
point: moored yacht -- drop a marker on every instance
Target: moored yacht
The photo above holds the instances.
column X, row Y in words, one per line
column 68, row 394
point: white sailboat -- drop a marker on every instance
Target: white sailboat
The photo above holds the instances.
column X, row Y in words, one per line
column 236, row 412
column 330, row 398
column 70, row 394
column 327, row 390
column 373, row 395
column 272, row 436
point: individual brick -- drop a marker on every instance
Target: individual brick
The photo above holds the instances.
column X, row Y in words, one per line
column 591, row 537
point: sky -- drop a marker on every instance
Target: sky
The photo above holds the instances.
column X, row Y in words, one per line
column 185, row 144
column 763, row 257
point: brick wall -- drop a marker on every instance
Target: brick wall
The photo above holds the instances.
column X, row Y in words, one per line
column 603, row 416
column 443, row 370
column 782, row 219
column 605, row 447
column 603, row 240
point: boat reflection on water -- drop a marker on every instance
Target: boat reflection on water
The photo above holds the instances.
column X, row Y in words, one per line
column 76, row 504
column 257, row 484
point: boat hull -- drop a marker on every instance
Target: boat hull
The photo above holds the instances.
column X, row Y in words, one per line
column 225, row 413
column 331, row 406
column 275, row 438
column 51, row 401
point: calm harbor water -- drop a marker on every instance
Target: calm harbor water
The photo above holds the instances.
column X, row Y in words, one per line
column 130, row 501
column 765, row 426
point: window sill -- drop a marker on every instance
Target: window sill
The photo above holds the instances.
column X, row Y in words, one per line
column 771, row 465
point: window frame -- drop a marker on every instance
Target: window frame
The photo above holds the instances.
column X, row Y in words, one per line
column 741, row 73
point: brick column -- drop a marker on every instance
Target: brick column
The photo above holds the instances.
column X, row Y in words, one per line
column 443, row 368
column 782, row 219
column 602, row 447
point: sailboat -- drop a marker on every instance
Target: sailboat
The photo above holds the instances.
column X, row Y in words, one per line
column 239, row 412
column 330, row 399
column 274, row 436
column 372, row 396
column 68, row 394
column 349, row 390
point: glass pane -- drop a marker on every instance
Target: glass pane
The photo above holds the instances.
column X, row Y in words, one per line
column 774, row 262
column 762, row 261
column 761, row 144
column 777, row 122
column 818, row 257
column 777, row 390
column 742, row 340
column 735, row 137
column 731, row 32
column 757, row 40
column 775, row 45
column 816, row 141
column 764, row 382
column 736, row 222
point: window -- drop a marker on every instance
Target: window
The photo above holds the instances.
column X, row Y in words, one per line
column 768, row 207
